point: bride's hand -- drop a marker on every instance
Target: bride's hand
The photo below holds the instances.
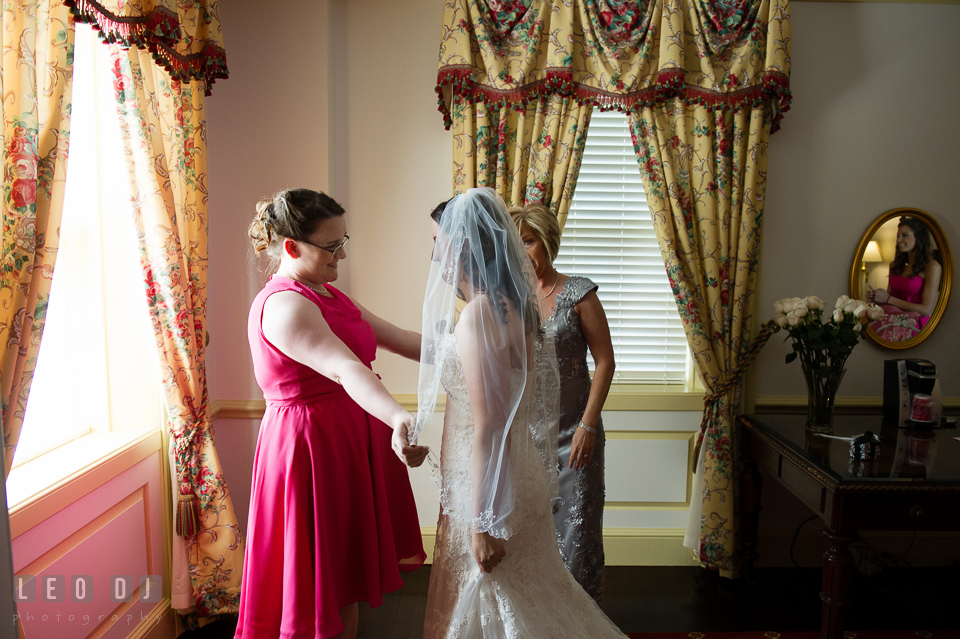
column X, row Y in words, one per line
column 410, row 454
column 487, row 550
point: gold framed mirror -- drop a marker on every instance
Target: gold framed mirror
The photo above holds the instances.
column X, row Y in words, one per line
column 883, row 266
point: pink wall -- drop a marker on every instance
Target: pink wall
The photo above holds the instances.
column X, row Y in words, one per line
column 267, row 128
column 115, row 529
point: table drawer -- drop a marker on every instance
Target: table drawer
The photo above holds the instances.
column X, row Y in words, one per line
column 880, row 512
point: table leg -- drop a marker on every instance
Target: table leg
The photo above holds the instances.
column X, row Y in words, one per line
column 837, row 579
column 751, row 484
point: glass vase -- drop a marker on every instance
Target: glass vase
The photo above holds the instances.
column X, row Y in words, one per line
column 822, row 385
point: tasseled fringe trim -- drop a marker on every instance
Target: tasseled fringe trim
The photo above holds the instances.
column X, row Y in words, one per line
column 775, row 90
column 159, row 33
column 188, row 513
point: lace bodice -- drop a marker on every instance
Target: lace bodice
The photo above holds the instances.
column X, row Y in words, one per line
column 524, row 475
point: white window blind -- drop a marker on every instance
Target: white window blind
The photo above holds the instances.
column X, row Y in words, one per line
column 609, row 237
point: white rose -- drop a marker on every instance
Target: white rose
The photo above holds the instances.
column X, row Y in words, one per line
column 787, row 304
column 842, row 301
column 800, row 311
column 838, row 315
column 778, row 307
column 851, row 306
column 860, row 310
column 857, row 327
column 781, row 320
column 874, row 312
column 814, row 303
column 792, row 319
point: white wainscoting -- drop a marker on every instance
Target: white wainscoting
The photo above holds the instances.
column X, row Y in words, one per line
column 649, row 470
column 648, row 474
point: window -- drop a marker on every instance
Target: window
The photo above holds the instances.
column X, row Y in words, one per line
column 609, row 237
column 95, row 370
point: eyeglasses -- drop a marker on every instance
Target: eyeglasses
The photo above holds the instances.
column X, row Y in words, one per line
column 332, row 250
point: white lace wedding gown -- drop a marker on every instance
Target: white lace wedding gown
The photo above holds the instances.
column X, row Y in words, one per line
column 530, row 595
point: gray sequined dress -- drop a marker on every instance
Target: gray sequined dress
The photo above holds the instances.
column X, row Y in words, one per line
column 578, row 514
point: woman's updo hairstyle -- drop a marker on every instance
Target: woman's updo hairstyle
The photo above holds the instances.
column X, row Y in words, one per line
column 292, row 214
column 437, row 213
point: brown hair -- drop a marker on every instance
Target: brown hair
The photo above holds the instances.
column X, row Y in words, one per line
column 293, row 214
column 542, row 222
column 924, row 248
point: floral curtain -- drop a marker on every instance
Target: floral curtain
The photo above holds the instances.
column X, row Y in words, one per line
column 161, row 113
column 704, row 173
column 164, row 133
column 182, row 36
column 704, row 84
column 527, row 156
column 36, row 81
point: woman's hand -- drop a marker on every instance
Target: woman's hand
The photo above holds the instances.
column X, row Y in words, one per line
column 581, row 450
column 410, row 454
column 487, row 550
column 881, row 296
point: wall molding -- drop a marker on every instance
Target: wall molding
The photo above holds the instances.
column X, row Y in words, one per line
column 30, row 512
column 664, row 546
column 632, row 397
column 621, row 546
column 161, row 623
column 254, row 408
column 237, row 408
column 653, row 400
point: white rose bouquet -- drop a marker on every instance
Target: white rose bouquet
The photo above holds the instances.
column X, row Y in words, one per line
column 823, row 347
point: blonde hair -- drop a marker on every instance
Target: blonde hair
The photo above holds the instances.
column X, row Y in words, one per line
column 542, row 222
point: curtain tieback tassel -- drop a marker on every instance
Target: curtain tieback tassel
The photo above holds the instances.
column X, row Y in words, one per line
column 188, row 512
column 710, row 402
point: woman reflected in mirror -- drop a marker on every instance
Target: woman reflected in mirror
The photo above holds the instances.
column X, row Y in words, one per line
column 913, row 285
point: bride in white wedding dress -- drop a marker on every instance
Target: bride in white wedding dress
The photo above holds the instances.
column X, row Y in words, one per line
column 497, row 570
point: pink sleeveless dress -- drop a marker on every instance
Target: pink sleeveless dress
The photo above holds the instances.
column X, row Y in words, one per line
column 909, row 289
column 897, row 324
column 332, row 516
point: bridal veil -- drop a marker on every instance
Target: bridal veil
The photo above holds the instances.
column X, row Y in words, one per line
column 481, row 299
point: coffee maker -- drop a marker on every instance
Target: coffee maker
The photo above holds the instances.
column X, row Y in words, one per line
column 911, row 393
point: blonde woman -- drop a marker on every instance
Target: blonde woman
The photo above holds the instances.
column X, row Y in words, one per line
column 572, row 313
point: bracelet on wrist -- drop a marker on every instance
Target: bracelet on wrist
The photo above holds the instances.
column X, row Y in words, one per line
column 592, row 431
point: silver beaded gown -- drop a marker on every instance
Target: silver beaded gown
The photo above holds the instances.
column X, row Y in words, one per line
column 578, row 514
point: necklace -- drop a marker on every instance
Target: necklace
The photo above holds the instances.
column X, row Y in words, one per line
column 555, row 280
column 319, row 291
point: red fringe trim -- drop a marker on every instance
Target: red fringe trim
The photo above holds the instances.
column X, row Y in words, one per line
column 775, row 89
column 159, row 33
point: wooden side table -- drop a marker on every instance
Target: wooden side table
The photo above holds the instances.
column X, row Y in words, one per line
column 914, row 485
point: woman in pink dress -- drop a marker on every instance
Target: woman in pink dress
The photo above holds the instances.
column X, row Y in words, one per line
column 913, row 285
column 332, row 516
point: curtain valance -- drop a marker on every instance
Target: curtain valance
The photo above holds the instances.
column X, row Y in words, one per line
column 616, row 54
column 182, row 36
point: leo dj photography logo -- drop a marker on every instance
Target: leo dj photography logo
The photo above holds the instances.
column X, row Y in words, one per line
column 82, row 589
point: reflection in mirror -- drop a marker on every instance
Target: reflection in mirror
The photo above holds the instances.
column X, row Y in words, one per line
column 903, row 264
